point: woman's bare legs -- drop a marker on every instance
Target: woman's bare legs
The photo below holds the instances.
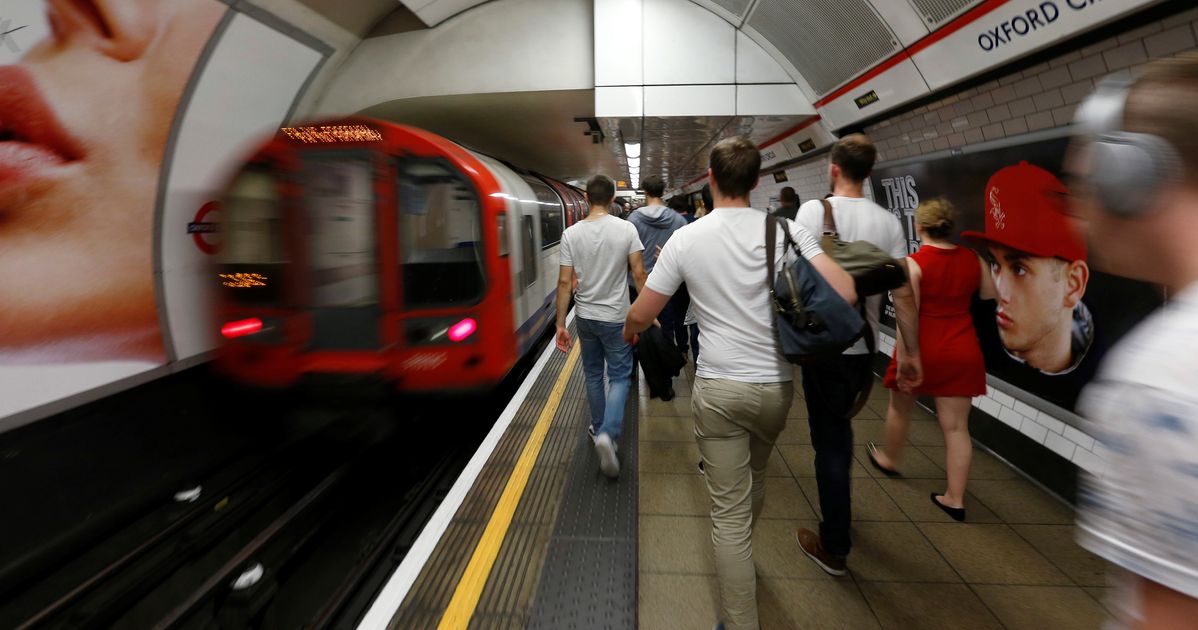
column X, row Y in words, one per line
column 898, row 422
column 953, row 414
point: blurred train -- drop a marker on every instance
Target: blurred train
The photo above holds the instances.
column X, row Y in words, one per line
column 361, row 247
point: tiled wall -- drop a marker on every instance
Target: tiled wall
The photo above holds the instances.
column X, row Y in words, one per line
column 809, row 179
column 1041, row 97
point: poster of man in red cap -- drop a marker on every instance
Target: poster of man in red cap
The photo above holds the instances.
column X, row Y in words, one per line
column 1058, row 309
column 1038, row 260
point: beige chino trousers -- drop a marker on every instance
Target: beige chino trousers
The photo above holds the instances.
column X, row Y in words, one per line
column 736, row 425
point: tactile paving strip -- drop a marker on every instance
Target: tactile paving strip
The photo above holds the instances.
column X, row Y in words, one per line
column 590, row 578
column 565, row 465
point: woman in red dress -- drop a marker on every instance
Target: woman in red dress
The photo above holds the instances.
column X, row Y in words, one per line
column 945, row 278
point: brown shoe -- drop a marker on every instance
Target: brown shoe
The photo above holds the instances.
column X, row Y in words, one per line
column 809, row 543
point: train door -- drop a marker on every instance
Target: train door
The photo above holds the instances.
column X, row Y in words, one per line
column 343, row 268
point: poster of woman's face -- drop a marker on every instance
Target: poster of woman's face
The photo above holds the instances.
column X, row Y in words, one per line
column 88, row 93
column 85, row 113
column 1054, row 315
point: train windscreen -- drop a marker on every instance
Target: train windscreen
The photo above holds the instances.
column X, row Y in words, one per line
column 440, row 236
column 253, row 256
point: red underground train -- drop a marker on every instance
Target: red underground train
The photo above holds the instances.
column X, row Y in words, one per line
column 361, row 247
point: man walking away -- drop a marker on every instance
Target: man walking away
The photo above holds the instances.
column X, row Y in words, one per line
column 831, row 388
column 788, row 204
column 655, row 223
column 743, row 387
column 601, row 250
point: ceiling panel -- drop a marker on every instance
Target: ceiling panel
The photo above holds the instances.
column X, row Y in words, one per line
column 937, row 12
column 827, row 42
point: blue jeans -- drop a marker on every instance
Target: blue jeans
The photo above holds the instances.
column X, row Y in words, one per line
column 603, row 342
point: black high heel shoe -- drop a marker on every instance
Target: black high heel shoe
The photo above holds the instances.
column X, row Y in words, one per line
column 957, row 514
column 870, row 449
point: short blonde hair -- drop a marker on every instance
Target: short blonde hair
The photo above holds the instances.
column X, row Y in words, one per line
column 937, row 217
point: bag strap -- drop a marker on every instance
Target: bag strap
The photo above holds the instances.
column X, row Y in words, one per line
column 829, row 219
column 770, row 232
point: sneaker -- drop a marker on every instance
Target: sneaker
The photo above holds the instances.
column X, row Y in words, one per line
column 591, row 432
column 606, row 449
column 702, row 470
column 810, row 545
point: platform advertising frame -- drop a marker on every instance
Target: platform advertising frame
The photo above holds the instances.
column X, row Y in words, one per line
column 131, row 127
column 1064, row 289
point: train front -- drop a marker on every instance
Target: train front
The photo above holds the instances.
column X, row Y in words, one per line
column 360, row 250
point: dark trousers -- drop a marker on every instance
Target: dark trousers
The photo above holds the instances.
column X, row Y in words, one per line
column 672, row 317
column 830, row 389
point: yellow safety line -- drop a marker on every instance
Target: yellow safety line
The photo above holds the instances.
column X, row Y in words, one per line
column 470, row 587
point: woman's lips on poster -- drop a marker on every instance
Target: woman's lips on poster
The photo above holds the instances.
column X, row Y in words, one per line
column 33, row 143
column 1004, row 321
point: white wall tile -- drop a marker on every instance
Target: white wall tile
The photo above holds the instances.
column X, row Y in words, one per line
column 1060, row 445
column 1089, row 462
column 1034, row 430
column 992, row 408
column 1003, row 399
column 1026, row 409
column 1012, row 417
column 1083, row 440
column 1047, row 420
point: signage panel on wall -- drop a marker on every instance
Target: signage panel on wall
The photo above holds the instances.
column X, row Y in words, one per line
column 1065, row 294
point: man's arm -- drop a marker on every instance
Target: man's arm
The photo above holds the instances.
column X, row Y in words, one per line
column 643, row 312
column 836, row 276
column 636, row 263
column 565, row 276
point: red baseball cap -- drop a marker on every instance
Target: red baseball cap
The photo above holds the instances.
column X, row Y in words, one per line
column 1025, row 210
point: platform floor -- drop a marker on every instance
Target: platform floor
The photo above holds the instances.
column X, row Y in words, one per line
column 1013, row 565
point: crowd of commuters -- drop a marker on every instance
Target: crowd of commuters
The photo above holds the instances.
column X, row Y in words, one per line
column 704, row 267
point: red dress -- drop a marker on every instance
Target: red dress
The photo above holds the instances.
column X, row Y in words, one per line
column 948, row 344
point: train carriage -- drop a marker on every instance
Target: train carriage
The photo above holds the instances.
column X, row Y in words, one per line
column 360, row 247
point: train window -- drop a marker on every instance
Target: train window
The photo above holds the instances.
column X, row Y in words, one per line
column 505, row 247
column 440, row 236
column 530, row 250
column 550, row 210
column 253, row 256
column 339, row 208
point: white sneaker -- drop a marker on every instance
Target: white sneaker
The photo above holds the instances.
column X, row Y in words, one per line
column 591, row 433
column 608, row 463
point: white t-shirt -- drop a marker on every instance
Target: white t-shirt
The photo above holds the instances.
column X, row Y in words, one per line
column 721, row 258
column 859, row 219
column 598, row 251
column 1142, row 513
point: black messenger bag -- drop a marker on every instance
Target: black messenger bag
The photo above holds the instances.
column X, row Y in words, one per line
column 812, row 322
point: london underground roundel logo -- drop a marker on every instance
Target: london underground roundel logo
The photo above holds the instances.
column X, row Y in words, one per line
column 201, row 229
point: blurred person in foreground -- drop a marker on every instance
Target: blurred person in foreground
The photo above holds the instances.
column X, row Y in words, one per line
column 743, row 386
column 86, row 115
column 945, row 277
column 602, row 251
column 1136, row 161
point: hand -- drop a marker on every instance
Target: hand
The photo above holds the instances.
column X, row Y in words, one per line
column 910, row 372
column 630, row 337
column 657, row 323
column 657, row 254
column 563, row 339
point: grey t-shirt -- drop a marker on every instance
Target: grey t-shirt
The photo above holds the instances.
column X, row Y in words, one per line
column 598, row 251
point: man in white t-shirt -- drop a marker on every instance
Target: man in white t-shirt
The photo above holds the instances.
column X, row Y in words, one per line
column 1138, row 190
column 831, row 388
column 601, row 251
column 743, row 386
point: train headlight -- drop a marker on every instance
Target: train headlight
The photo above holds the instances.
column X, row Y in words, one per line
column 241, row 328
column 440, row 331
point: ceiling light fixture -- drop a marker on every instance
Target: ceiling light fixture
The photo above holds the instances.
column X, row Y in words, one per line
column 634, row 162
column 632, row 149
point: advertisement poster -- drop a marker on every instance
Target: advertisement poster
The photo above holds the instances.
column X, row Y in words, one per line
column 87, row 99
column 1058, row 310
